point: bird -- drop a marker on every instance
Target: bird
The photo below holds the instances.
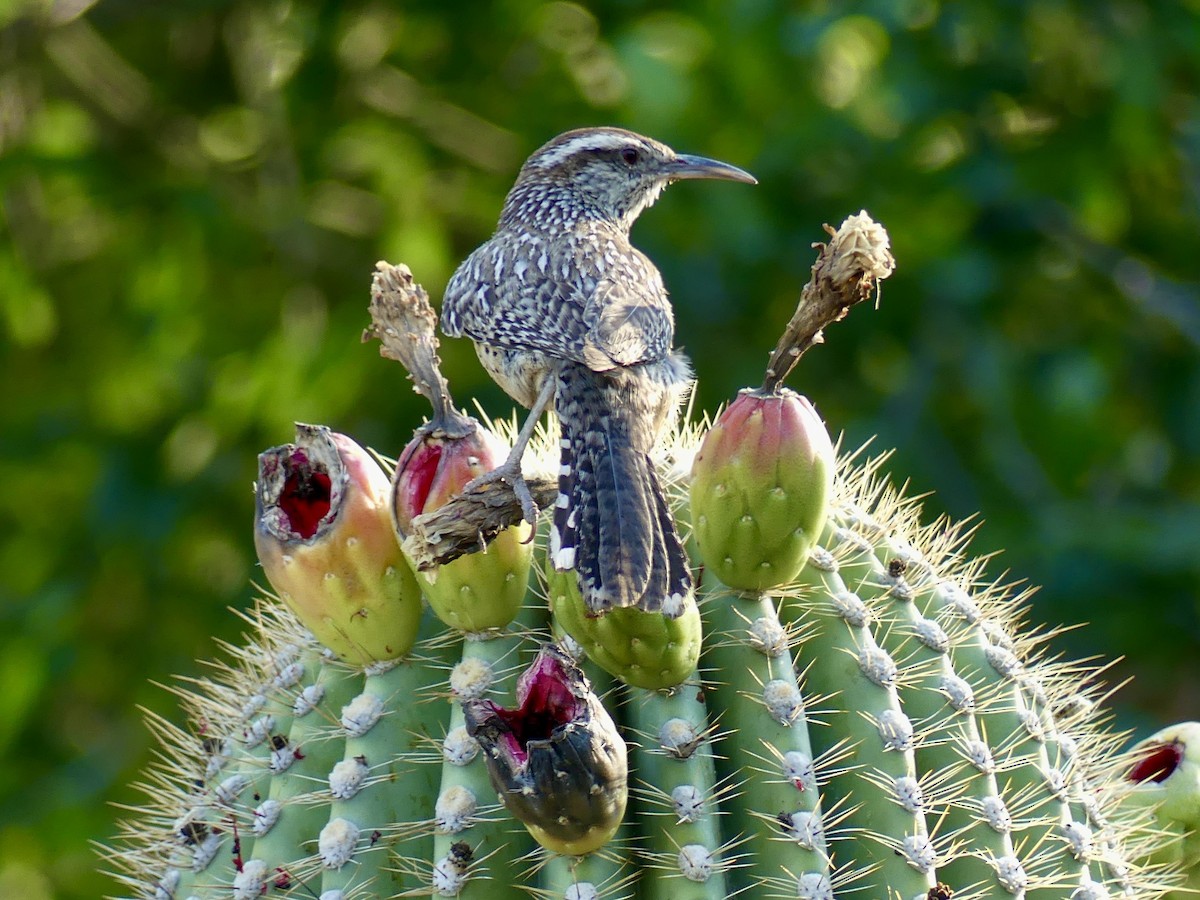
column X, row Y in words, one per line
column 566, row 314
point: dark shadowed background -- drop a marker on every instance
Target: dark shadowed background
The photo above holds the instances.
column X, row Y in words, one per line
column 193, row 195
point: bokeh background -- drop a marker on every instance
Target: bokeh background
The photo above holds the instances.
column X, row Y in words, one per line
column 193, row 195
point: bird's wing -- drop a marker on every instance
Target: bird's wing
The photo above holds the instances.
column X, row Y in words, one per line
column 578, row 301
column 515, row 292
column 630, row 322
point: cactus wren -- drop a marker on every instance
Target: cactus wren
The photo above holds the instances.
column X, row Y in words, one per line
column 561, row 307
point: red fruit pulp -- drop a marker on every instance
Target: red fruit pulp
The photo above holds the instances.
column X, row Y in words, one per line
column 1157, row 765
column 546, row 702
column 417, row 470
column 306, row 495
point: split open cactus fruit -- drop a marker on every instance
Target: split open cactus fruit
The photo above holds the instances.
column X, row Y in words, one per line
column 483, row 590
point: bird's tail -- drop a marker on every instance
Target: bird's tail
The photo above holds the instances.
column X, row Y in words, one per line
column 612, row 521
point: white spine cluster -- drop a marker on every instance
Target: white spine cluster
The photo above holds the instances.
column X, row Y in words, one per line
column 337, row 842
column 696, row 862
column 266, row 814
column 360, row 714
column 471, row 678
column 347, row 777
column 308, row 699
column 783, row 701
column 679, row 738
column 458, row 747
column 454, row 810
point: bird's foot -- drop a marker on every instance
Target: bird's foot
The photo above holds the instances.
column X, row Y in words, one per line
column 509, row 473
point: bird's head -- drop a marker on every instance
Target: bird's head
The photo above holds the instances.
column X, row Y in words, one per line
column 612, row 172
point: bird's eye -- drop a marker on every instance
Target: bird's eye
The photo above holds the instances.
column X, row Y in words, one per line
column 629, row 156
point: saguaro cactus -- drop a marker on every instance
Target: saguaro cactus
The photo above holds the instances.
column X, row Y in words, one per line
column 851, row 711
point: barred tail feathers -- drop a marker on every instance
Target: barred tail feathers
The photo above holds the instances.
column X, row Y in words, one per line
column 678, row 572
column 612, row 523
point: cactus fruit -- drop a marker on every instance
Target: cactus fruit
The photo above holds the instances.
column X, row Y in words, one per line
column 874, row 725
column 479, row 591
column 323, row 535
column 557, row 761
column 1165, row 772
column 760, row 487
column 643, row 649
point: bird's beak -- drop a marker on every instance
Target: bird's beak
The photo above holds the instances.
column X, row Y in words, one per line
column 684, row 166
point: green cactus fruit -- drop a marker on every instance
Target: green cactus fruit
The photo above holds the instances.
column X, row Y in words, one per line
column 760, row 487
column 556, row 760
column 643, row 649
column 324, row 538
column 479, row 591
column 1164, row 779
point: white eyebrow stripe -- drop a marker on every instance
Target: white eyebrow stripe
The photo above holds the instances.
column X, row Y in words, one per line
column 570, row 147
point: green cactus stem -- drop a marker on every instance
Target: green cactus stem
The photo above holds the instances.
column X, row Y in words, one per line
column 767, row 754
column 478, row 850
column 248, row 750
column 946, row 701
column 1057, row 845
column 603, row 873
column 862, row 679
column 284, row 822
column 684, row 854
column 381, row 782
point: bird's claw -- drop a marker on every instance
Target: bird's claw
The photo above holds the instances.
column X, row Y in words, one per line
column 515, row 479
column 528, row 508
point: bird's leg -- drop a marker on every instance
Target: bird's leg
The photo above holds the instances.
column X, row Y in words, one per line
column 510, row 470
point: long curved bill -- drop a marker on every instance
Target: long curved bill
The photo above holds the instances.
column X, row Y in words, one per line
column 685, row 166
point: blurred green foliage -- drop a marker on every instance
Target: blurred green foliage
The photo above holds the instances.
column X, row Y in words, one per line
column 193, row 194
